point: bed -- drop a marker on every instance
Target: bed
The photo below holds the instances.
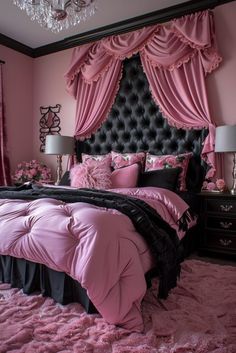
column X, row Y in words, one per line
column 115, row 281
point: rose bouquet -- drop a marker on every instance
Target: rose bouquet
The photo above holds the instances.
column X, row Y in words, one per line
column 31, row 171
column 218, row 185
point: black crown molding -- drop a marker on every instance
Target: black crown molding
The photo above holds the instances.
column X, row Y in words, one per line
column 14, row 44
column 160, row 16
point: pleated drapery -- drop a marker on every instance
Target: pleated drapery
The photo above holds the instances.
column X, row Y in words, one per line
column 5, row 177
column 176, row 58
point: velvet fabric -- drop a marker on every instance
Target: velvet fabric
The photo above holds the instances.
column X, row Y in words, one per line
column 162, row 178
column 126, row 177
column 5, row 178
column 176, row 57
column 168, row 161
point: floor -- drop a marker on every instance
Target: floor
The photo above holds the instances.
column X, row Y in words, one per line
column 214, row 259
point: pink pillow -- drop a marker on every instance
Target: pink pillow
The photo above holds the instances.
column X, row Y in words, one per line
column 120, row 160
column 97, row 157
column 126, row 177
column 91, row 174
column 169, row 161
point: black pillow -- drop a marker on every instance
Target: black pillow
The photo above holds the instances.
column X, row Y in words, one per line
column 166, row 178
column 65, row 180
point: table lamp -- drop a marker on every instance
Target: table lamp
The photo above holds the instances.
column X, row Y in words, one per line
column 59, row 145
column 225, row 141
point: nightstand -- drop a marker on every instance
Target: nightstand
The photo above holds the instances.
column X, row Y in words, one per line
column 218, row 224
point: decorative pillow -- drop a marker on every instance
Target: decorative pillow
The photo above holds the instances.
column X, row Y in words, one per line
column 91, row 174
column 126, row 177
column 169, row 161
column 120, row 160
column 97, row 157
column 162, row 178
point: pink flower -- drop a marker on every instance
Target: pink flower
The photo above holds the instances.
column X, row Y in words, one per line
column 172, row 162
column 211, row 186
column 33, row 170
column 220, row 184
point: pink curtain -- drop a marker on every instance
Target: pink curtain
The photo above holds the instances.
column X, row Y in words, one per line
column 94, row 75
column 176, row 58
column 5, row 177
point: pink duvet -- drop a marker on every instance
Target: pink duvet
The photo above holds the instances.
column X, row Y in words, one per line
column 96, row 246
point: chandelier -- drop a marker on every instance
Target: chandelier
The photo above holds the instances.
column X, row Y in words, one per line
column 57, row 15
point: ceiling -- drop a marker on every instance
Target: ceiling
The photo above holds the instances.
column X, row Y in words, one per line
column 16, row 25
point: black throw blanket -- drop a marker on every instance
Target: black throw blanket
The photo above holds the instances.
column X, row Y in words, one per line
column 160, row 237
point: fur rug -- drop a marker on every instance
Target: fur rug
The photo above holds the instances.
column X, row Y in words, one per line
column 199, row 316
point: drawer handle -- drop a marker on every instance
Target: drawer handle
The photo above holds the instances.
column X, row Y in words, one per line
column 226, row 208
column 225, row 225
column 225, row 242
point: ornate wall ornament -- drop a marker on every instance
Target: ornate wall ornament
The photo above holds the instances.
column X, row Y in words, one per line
column 49, row 123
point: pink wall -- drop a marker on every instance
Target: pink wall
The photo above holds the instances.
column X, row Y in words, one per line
column 221, row 84
column 44, row 76
column 18, row 84
column 49, row 90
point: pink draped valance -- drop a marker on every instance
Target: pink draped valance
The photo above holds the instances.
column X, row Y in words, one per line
column 176, row 58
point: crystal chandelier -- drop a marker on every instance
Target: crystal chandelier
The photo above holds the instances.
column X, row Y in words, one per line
column 57, row 15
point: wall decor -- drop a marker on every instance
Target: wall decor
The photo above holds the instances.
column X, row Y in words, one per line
column 49, row 123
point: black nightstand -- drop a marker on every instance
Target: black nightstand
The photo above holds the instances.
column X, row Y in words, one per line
column 218, row 224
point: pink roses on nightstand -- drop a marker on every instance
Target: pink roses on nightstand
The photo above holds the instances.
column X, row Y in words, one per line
column 31, row 171
column 218, row 185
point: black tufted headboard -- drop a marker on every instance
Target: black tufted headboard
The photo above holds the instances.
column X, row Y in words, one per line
column 135, row 124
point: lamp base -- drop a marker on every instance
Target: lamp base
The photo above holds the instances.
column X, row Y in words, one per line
column 233, row 189
column 59, row 169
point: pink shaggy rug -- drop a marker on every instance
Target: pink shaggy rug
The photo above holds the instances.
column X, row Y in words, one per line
column 199, row 316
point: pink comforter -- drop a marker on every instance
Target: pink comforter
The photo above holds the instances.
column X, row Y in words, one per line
column 96, row 246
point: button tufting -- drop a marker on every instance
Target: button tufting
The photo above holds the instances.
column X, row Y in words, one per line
column 125, row 136
column 108, row 124
column 132, row 147
column 127, row 112
column 102, row 137
column 132, row 123
column 140, row 84
column 114, row 136
column 120, row 125
column 120, row 101
column 119, row 147
column 138, row 134
column 145, row 122
column 133, row 99
column 135, row 111
column 128, row 87
column 97, row 148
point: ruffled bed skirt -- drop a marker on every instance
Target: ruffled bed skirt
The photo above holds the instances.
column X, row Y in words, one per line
column 33, row 277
